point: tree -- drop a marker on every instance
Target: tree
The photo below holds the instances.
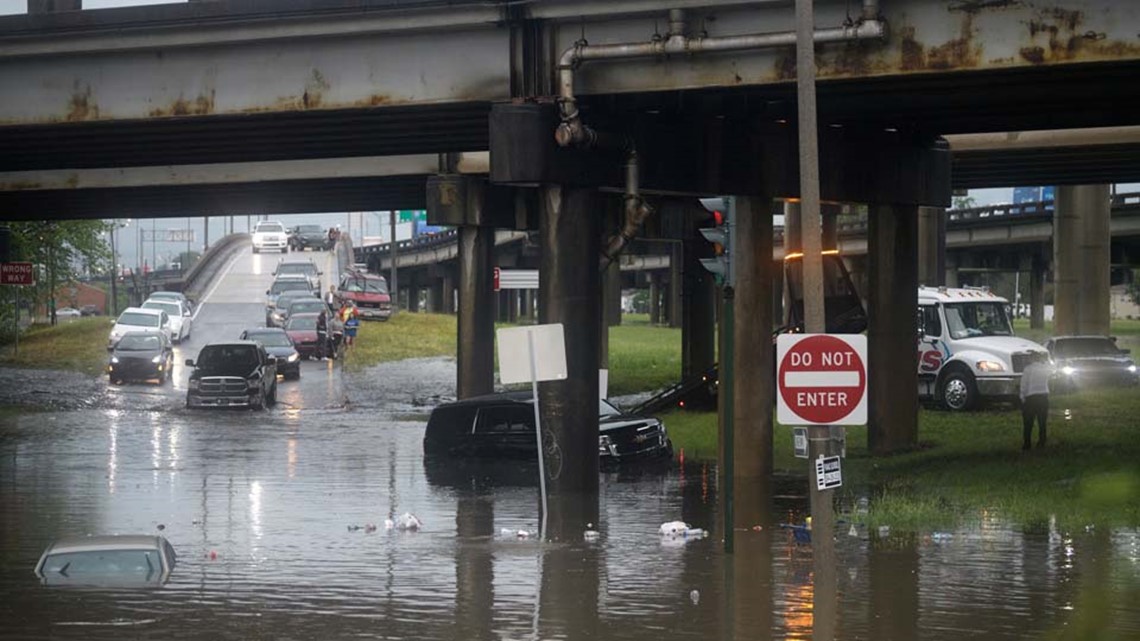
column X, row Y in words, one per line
column 61, row 250
column 965, row 202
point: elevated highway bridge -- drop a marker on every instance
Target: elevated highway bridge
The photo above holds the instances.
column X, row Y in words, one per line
column 248, row 107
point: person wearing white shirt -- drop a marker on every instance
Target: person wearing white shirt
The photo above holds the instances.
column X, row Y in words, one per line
column 1035, row 399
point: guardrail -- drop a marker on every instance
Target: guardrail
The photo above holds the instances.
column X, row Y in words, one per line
column 207, row 266
column 426, row 241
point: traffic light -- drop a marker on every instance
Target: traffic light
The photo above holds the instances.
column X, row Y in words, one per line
column 720, row 235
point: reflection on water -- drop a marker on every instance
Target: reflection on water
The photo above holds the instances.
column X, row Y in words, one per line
column 258, row 508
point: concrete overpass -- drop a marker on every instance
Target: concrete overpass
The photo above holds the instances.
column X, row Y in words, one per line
column 245, row 106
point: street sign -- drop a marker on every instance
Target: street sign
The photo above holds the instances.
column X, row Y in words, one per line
column 17, row 274
column 516, row 279
column 411, row 215
column 822, row 379
column 800, row 441
column 828, row 474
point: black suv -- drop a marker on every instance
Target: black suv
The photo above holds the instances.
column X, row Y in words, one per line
column 238, row 374
column 309, row 237
column 502, row 426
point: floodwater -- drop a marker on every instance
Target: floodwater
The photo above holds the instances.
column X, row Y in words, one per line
column 270, row 514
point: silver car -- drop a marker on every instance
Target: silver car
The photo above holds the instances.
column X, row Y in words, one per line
column 107, row 561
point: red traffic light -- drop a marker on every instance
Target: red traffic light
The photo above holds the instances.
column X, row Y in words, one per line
column 718, row 217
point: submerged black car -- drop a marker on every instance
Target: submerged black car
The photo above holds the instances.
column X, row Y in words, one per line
column 502, row 426
column 277, row 344
column 1083, row 362
column 141, row 356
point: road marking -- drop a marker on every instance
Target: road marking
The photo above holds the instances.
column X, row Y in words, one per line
column 217, row 283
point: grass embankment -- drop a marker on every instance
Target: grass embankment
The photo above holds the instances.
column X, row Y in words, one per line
column 79, row 345
column 642, row 357
column 969, row 467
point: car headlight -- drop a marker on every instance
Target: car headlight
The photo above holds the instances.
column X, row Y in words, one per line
column 253, row 383
column 1131, row 369
column 294, row 357
column 157, row 359
column 193, row 384
column 605, row 443
column 1068, row 370
column 990, row 366
column 114, row 359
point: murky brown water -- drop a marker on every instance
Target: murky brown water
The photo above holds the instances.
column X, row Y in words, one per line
column 259, row 507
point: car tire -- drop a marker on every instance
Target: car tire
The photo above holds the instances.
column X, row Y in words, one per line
column 256, row 250
column 258, row 402
column 162, row 379
column 272, row 398
column 958, row 391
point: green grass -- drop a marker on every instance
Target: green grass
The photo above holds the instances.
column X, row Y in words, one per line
column 969, row 467
column 79, row 345
column 643, row 357
column 406, row 335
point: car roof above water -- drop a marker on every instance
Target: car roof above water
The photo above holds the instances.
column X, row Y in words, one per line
column 106, row 542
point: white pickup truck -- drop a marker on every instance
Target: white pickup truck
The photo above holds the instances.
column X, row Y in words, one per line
column 966, row 348
column 270, row 234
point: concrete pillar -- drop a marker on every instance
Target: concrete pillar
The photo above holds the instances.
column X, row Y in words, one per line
column 528, row 305
column 476, row 349
column 951, row 271
column 503, row 306
column 654, row 298
column 1081, row 259
column 1037, row 292
column 754, row 392
column 892, row 298
column 829, row 230
column 676, row 259
column 447, row 285
column 435, row 296
column 793, row 243
column 513, row 306
column 931, row 246
column 474, row 567
column 611, row 295
column 569, row 242
column 698, row 308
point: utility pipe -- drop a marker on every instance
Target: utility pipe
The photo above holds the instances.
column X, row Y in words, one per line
column 636, row 211
column 571, row 131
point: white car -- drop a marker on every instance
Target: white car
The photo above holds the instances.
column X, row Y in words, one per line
column 270, row 234
column 134, row 319
column 180, row 318
column 67, row 313
column 107, row 561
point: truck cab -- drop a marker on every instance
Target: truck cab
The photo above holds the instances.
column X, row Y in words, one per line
column 967, row 351
column 369, row 292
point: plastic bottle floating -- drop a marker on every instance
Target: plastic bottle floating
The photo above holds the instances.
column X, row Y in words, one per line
column 680, row 530
column 404, row 522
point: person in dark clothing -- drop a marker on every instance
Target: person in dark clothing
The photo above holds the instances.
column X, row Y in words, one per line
column 1035, row 400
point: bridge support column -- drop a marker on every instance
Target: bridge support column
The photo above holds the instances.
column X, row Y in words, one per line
column 528, row 305
column 611, row 293
column 1081, row 259
column 931, row 246
column 754, row 378
column 829, row 230
column 654, row 298
column 892, row 298
column 676, row 258
column 698, row 331
column 476, row 350
column 414, row 293
column 435, row 296
column 951, row 272
column 793, row 242
column 569, row 240
column 1037, row 293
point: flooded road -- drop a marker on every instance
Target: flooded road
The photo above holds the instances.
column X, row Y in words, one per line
column 270, row 514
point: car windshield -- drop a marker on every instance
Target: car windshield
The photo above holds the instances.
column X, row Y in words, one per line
column 1078, row 347
column 238, row 359
column 303, row 306
column 271, row 339
column 303, row 323
column 171, row 309
column 296, row 268
column 140, row 343
column 605, row 409
column 970, row 320
column 103, row 563
column 270, row 227
column 167, row 295
column 309, row 229
column 138, row 319
column 365, row 285
column 288, row 285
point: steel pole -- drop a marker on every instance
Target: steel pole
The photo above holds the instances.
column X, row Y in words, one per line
column 726, row 389
column 393, row 286
column 114, row 271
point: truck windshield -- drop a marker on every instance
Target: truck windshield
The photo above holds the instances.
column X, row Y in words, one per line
column 365, row 285
column 970, row 320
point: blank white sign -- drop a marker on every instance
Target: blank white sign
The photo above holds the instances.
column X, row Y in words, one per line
column 549, row 353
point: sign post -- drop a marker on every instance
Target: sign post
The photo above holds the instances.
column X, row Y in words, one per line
column 17, row 274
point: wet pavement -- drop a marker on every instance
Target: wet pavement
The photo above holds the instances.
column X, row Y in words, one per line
column 270, row 513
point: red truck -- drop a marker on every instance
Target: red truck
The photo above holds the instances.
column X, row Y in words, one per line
column 369, row 292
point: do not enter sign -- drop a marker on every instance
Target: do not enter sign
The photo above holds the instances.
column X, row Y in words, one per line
column 822, row 379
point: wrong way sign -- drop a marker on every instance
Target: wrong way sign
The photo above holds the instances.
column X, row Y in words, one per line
column 822, row 379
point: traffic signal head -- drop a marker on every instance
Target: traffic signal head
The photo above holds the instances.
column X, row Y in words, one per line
column 720, row 235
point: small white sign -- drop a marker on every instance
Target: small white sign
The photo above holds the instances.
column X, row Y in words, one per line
column 603, row 384
column 800, row 441
column 549, row 353
column 828, row 474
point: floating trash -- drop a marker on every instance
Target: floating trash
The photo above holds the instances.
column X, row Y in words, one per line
column 695, row 596
column 404, row 522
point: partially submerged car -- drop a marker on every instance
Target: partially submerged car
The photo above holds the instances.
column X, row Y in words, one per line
column 141, row 356
column 1084, row 362
column 502, row 426
column 107, row 561
column 277, row 344
column 302, row 330
column 238, row 374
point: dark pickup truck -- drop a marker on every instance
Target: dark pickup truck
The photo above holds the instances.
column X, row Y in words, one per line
column 309, row 237
column 238, row 374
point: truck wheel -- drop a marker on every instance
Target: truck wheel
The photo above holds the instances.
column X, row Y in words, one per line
column 958, row 391
column 272, row 399
column 256, row 250
column 258, row 402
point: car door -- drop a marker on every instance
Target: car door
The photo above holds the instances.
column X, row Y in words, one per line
column 187, row 318
column 164, row 325
column 505, row 431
